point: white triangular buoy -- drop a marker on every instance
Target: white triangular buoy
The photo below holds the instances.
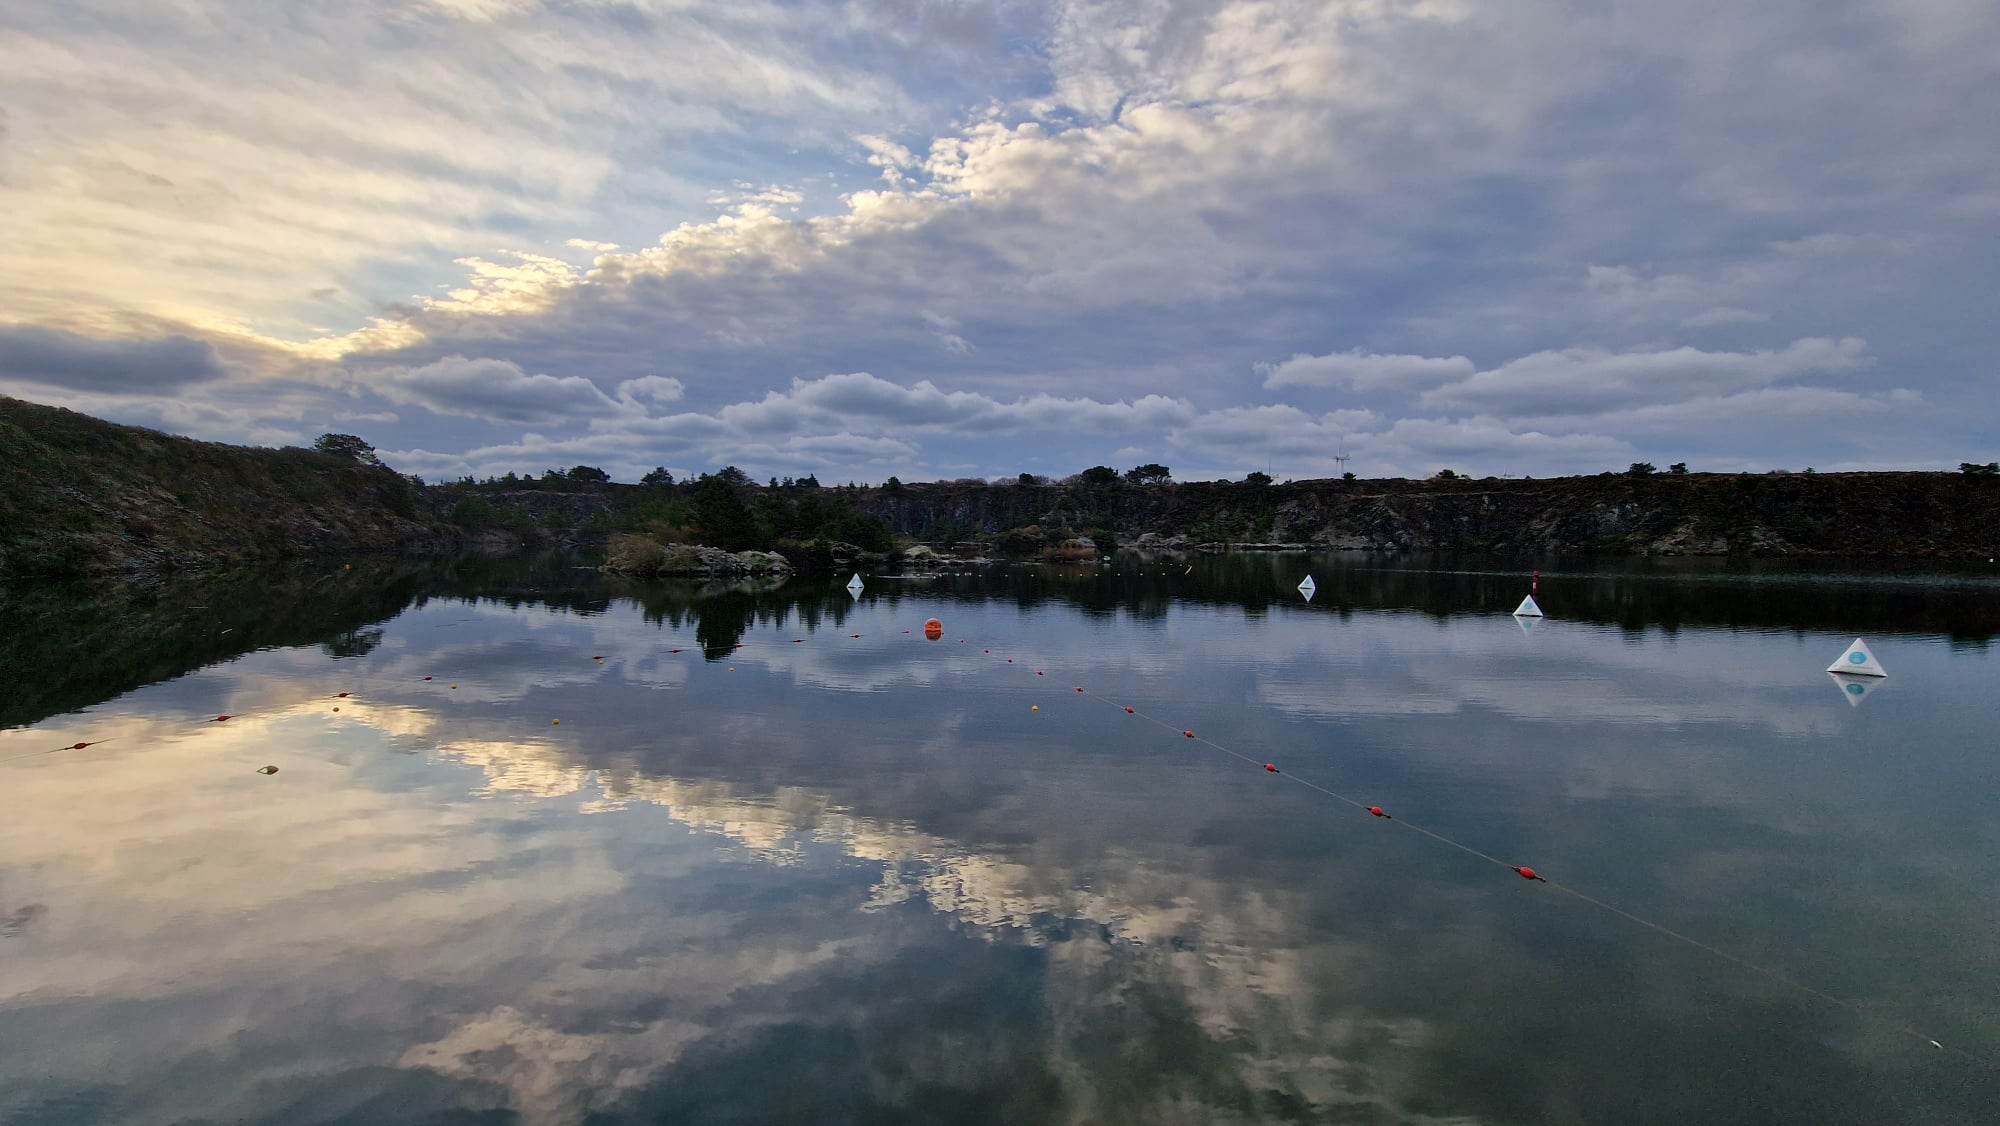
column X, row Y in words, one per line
column 1858, row 661
column 854, row 584
column 1854, row 688
column 1308, row 587
column 1527, row 608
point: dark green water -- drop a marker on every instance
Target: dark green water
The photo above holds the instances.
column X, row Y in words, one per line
column 823, row 878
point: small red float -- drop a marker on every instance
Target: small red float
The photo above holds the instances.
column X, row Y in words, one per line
column 1079, row 689
column 1377, row 811
column 221, row 718
column 1189, row 734
column 1272, row 767
column 1528, row 874
column 1129, row 711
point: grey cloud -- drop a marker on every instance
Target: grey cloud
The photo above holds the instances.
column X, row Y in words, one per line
column 497, row 390
column 123, row 366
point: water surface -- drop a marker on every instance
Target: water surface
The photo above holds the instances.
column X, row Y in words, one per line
column 789, row 874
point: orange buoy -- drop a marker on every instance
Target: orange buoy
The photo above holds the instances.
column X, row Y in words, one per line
column 933, row 629
column 1271, row 767
column 1528, row 874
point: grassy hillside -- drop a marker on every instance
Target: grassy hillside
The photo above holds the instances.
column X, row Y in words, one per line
column 80, row 495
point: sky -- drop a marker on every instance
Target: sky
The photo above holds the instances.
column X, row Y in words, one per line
column 961, row 238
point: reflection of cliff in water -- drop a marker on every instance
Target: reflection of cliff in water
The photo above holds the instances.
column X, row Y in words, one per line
column 70, row 645
column 90, row 642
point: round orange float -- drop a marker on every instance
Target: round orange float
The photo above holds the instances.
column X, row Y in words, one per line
column 933, row 629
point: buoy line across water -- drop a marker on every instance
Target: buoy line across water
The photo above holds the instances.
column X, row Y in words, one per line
column 932, row 631
column 1529, row 873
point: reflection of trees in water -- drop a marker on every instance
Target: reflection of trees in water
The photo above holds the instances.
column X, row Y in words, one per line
column 85, row 643
column 353, row 643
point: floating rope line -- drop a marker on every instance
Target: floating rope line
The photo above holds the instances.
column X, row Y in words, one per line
column 1527, row 873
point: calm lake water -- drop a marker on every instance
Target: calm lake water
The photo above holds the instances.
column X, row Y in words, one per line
column 539, row 867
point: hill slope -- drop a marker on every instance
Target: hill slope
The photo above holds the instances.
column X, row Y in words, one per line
column 81, row 495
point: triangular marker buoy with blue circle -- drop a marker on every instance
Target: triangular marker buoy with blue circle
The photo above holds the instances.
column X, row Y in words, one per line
column 1858, row 661
column 854, row 585
column 1308, row 587
column 1855, row 688
column 1528, row 608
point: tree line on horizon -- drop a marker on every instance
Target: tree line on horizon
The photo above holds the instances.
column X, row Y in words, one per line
column 351, row 447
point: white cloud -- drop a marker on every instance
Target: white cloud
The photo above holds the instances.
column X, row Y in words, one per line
column 1583, row 380
column 1364, row 372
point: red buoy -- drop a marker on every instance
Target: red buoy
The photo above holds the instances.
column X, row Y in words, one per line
column 1528, row 874
column 78, row 746
column 342, row 695
column 1189, row 734
column 798, row 641
column 1271, row 767
column 1010, row 660
column 670, row 651
column 1079, row 689
column 933, row 629
column 1377, row 811
column 854, row 635
column 1129, row 711
column 220, row 718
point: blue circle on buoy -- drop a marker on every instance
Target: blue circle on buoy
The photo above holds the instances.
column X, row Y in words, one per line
column 1857, row 658
column 1855, row 690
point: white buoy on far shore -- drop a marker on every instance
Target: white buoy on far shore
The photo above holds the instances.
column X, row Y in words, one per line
column 1308, row 587
column 1528, row 608
column 1857, row 661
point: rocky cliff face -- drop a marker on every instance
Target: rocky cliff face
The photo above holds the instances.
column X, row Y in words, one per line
column 79, row 495
column 1907, row 514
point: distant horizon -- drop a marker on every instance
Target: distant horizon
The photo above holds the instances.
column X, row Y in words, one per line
column 996, row 236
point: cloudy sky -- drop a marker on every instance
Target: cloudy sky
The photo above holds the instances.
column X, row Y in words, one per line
column 942, row 238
